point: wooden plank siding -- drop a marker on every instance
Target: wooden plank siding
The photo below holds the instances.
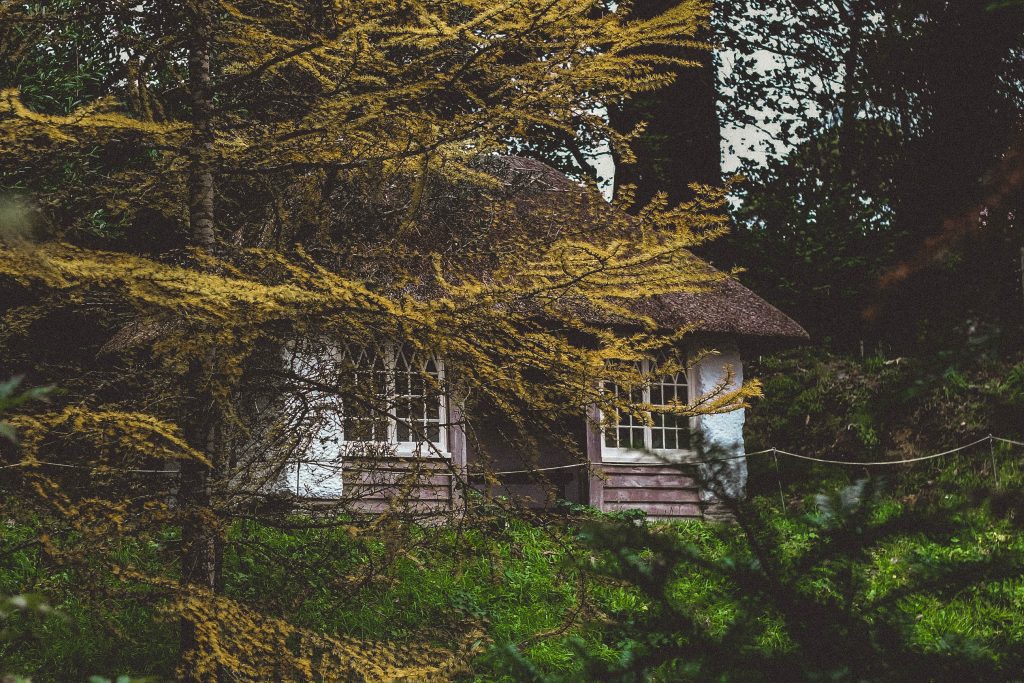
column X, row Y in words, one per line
column 659, row 490
column 419, row 486
column 662, row 491
column 424, row 486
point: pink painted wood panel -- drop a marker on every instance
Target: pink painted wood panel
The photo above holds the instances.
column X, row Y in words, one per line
column 659, row 510
column 653, row 468
column 659, row 495
column 414, row 493
column 661, row 491
column 394, row 478
column 411, row 485
column 616, row 480
column 419, row 508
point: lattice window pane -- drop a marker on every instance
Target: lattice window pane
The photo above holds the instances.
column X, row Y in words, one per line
column 365, row 395
column 670, row 431
column 625, row 430
column 417, row 398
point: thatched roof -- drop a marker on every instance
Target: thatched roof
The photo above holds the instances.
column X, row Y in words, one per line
column 727, row 307
column 470, row 225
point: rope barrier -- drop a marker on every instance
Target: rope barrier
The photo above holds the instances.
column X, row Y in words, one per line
column 87, row 467
column 537, row 469
column 775, row 452
column 878, row 463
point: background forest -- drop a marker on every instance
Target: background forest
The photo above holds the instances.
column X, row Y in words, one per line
column 187, row 187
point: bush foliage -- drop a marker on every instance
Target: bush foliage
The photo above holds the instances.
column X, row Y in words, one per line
column 857, row 584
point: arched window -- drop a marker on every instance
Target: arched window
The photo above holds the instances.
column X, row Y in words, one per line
column 418, row 398
column 392, row 396
column 633, row 438
column 364, row 390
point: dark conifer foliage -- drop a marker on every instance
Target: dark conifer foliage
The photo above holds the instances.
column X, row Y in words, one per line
column 681, row 140
column 888, row 200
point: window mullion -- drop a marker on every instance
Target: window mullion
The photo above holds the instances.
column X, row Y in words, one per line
column 648, row 429
column 391, row 401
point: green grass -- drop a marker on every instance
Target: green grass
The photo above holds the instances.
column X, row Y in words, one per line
column 520, row 579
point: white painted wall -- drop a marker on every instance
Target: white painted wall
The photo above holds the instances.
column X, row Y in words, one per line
column 723, row 434
column 317, row 471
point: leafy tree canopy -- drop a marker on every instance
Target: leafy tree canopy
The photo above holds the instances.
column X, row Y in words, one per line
column 210, row 184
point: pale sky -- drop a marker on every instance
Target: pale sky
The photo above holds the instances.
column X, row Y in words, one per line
column 738, row 142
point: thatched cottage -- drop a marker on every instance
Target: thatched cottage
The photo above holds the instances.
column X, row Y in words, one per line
column 612, row 465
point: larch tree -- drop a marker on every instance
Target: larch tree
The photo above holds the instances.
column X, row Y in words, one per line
column 238, row 180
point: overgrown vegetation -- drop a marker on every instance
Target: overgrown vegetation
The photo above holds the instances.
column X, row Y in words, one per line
column 203, row 189
column 191, row 191
column 834, row 406
column 863, row 583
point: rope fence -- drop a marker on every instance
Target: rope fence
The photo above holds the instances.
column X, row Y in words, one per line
column 885, row 463
column 774, row 452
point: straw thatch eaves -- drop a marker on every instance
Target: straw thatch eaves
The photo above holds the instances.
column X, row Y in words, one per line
column 726, row 307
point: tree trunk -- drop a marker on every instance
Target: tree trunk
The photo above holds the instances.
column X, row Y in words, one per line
column 200, row 186
column 851, row 15
column 199, row 535
column 682, row 142
column 199, row 538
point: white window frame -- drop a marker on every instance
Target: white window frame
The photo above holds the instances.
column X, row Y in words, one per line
column 613, row 454
column 393, row 447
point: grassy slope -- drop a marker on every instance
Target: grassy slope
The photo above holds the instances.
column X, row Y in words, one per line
column 522, row 579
